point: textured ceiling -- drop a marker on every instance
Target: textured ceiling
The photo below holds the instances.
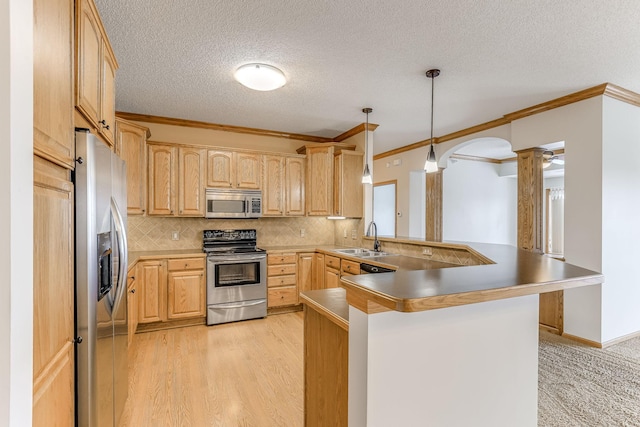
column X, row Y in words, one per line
column 177, row 59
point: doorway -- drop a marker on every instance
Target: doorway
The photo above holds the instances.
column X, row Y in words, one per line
column 384, row 208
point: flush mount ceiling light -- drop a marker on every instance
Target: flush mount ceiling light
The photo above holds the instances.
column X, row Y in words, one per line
column 366, row 175
column 431, row 165
column 261, row 77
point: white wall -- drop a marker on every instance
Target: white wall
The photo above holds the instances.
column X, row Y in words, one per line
column 477, row 204
column 16, row 212
column 580, row 126
column 620, row 219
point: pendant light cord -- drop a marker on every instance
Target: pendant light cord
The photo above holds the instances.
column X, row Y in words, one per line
column 432, row 87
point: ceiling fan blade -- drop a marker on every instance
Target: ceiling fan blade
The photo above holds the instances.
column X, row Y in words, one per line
column 557, row 161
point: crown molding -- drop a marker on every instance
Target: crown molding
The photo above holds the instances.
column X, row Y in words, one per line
column 213, row 126
column 605, row 89
column 354, row 131
column 475, row 158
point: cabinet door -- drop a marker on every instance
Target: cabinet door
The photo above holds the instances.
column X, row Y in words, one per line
column 273, row 191
column 152, row 285
column 132, row 309
column 317, row 281
column 220, row 169
column 107, row 122
column 305, row 271
column 191, row 181
column 131, row 141
column 248, row 170
column 320, row 181
column 162, row 198
column 53, row 280
column 294, row 186
column 89, row 44
column 53, row 136
column 331, row 278
column 186, row 294
column 348, row 184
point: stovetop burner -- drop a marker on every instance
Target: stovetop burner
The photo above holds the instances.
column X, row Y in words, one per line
column 225, row 242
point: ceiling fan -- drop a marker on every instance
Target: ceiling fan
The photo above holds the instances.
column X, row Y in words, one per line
column 548, row 158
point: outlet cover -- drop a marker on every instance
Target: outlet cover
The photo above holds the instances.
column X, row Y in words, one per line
column 427, row 251
column 302, row 232
column 175, row 235
column 345, row 233
column 354, row 234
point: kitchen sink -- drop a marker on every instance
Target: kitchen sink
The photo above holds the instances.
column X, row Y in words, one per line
column 362, row 253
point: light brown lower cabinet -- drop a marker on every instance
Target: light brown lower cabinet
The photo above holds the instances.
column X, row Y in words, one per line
column 53, row 281
column 305, row 271
column 170, row 290
column 331, row 271
column 186, row 294
column 318, row 271
column 282, row 288
column 132, row 304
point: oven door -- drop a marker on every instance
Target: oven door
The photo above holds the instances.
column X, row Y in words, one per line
column 232, row 278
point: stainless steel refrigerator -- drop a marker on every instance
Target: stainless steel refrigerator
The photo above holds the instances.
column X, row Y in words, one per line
column 101, row 267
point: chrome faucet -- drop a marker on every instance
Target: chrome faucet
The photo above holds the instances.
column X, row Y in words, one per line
column 376, row 243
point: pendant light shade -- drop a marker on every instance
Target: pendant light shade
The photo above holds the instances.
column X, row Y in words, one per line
column 366, row 174
column 431, row 164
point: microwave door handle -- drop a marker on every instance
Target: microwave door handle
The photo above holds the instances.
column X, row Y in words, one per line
column 247, row 206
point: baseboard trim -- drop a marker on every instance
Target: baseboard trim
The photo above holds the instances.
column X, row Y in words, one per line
column 620, row 339
column 550, row 329
column 582, row 340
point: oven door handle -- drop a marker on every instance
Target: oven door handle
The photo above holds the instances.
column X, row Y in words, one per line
column 236, row 258
column 238, row 305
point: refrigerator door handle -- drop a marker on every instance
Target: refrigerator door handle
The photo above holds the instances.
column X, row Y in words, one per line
column 122, row 250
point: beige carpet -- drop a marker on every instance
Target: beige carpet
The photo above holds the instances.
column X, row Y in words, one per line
column 585, row 386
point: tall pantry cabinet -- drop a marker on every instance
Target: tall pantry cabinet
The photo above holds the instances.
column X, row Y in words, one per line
column 55, row 88
column 53, row 248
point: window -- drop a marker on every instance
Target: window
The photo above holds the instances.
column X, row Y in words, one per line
column 555, row 221
column 384, row 208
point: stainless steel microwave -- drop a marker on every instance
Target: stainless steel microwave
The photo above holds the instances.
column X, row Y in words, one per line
column 223, row 203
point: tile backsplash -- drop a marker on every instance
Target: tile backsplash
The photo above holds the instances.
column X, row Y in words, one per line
column 147, row 233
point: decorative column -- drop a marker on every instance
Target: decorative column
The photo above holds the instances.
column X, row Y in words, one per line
column 530, row 193
column 433, row 215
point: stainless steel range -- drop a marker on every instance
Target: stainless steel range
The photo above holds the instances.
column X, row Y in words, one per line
column 236, row 276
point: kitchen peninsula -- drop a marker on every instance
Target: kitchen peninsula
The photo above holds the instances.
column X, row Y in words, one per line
column 441, row 347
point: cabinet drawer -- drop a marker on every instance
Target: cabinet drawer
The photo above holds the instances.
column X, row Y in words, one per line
column 332, row 261
column 281, row 280
column 350, row 267
column 281, row 259
column 279, row 270
column 287, row 295
column 185, row 264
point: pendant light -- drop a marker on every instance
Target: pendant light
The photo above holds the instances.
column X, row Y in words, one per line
column 431, row 165
column 366, row 174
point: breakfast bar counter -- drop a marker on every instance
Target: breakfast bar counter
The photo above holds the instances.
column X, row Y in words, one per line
column 440, row 347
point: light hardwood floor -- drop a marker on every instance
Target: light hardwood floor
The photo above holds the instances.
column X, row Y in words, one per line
column 239, row 374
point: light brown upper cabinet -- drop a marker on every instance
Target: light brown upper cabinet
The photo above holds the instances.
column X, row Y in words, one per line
column 273, row 192
column 191, row 164
column 332, row 180
column 295, row 186
column 162, row 173
column 53, row 137
column 319, row 180
column 96, row 66
column 176, row 176
column 131, row 145
column 347, row 198
column 233, row 169
column 283, row 185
